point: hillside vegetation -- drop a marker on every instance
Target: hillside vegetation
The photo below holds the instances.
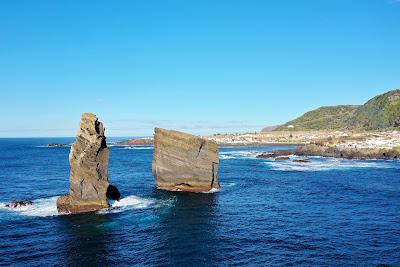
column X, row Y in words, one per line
column 379, row 113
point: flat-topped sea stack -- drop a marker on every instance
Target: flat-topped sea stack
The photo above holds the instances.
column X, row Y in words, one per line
column 89, row 169
column 184, row 162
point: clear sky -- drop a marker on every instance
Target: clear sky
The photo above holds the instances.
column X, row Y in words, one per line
column 198, row 66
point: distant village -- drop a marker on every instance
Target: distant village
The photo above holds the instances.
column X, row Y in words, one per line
column 386, row 139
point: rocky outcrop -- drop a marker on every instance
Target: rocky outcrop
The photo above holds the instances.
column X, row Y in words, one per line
column 321, row 150
column 184, row 162
column 19, row 204
column 275, row 154
column 265, row 156
column 347, row 153
column 301, row 160
column 282, row 158
column 89, row 169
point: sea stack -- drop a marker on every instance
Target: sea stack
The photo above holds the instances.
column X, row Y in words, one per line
column 184, row 162
column 89, row 169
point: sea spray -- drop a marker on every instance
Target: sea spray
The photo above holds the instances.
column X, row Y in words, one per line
column 46, row 207
column 43, row 207
column 325, row 164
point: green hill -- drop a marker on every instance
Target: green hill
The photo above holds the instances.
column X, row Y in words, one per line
column 381, row 112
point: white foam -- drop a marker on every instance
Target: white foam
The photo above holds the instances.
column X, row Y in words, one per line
column 46, row 207
column 137, row 147
column 128, row 203
column 226, row 157
column 325, row 164
column 245, row 154
column 212, row 191
column 43, row 207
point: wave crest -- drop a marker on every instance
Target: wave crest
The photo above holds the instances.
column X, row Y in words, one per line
column 46, row 207
column 326, row 164
column 42, row 207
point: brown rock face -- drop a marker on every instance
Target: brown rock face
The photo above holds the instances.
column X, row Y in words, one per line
column 89, row 169
column 184, row 162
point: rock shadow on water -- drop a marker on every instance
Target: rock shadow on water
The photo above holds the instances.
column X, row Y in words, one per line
column 86, row 239
column 189, row 229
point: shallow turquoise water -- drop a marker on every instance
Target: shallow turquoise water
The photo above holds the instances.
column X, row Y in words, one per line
column 329, row 212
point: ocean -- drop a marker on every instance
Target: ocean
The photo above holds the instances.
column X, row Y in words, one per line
column 328, row 212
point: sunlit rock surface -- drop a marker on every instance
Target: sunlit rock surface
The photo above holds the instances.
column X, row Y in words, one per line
column 184, row 162
column 89, row 169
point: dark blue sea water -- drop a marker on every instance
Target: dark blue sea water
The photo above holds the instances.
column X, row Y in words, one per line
column 325, row 213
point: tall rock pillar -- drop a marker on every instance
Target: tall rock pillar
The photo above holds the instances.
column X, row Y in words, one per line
column 89, row 169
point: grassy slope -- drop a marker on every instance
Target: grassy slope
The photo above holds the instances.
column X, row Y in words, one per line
column 381, row 112
column 324, row 118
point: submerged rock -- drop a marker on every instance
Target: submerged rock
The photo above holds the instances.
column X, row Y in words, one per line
column 277, row 154
column 184, row 162
column 281, row 158
column 265, row 156
column 301, row 160
column 89, row 169
column 18, row 204
column 282, row 152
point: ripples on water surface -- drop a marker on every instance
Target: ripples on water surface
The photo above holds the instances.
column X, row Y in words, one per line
column 327, row 212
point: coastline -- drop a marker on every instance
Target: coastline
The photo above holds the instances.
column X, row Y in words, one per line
column 261, row 144
column 338, row 144
column 349, row 145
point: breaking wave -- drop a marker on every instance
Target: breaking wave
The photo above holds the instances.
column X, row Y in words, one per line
column 42, row 207
column 238, row 154
column 58, row 146
column 46, row 207
column 132, row 202
column 211, row 191
column 326, row 164
column 226, row 157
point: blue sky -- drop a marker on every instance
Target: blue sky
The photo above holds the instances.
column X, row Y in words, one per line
column 198, row 66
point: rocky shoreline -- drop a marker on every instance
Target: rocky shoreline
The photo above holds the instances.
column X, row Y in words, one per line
column 347, row 153
column 349, row 145
column 314, row 150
